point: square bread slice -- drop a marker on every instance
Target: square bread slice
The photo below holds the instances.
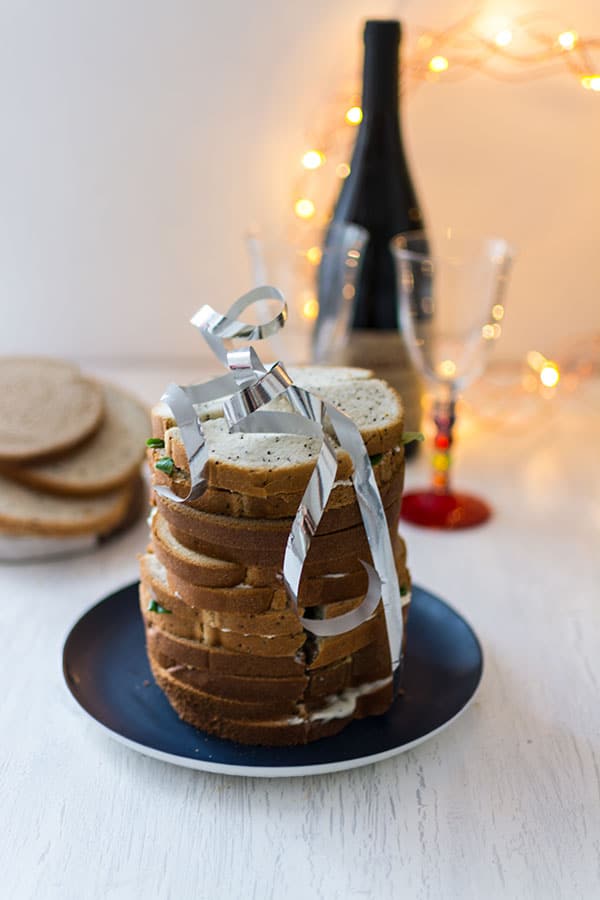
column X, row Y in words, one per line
column 262, row 465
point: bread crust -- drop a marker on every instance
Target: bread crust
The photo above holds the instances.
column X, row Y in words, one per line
column 229, row 467
column 256, row 542
column 275, row 506
column 26, row 511
column 285, row 730
column 280, row 729
column 219, row 660
column 335, row 518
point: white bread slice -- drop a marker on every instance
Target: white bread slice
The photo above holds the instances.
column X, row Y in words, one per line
column 254, row 464
column 197, row 568
column 388, row 470
column 218, row 660
column 201, row 580
column 223, row 529
column 107, row 460
column 313, row 378
column 187, row 599
column 24, row 510
column 262, row 465
column 270, row 622
column 320, row 377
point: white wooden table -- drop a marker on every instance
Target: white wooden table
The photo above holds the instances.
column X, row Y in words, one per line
column 504, row 804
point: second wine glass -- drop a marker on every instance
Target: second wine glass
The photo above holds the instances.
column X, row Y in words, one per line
column 451, row 307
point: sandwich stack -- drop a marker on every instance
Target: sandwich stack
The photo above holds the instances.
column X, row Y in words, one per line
column 70, row 454
column 225, row 647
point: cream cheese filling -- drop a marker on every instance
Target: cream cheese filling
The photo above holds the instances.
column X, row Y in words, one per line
column 338, row 706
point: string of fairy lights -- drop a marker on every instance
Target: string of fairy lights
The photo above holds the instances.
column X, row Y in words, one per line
column 521, row 49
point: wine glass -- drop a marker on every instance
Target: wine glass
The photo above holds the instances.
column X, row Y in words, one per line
column 317, row 328
column 451, row 307
column 338, row 274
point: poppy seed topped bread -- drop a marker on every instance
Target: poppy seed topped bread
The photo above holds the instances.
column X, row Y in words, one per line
column 264, row 465
column 223, row 641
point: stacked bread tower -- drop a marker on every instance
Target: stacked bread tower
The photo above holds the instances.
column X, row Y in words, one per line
column 226, row 648
column 70, row 454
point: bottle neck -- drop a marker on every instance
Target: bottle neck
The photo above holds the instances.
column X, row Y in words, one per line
column 380, row 76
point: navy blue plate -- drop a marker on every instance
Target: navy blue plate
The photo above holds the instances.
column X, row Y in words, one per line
column 106, row 670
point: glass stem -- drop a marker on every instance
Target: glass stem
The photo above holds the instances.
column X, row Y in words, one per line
column 444, row 416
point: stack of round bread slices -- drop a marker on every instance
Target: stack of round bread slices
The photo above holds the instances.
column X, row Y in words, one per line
column 230, row 654
column 70, row 455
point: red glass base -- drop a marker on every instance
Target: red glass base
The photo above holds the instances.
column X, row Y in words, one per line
column 447, row 511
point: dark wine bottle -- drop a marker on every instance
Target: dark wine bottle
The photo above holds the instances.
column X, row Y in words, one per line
column 378, row 195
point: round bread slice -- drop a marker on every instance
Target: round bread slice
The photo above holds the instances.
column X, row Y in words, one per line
column 46, row 407
column 24, row 510
column 107, row 460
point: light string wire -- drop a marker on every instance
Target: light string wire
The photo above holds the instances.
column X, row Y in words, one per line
column 524, row 48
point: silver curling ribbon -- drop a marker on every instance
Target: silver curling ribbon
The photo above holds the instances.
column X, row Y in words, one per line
column 247, row 388
column 192, row 435
column 246, row 370
column 311, row 414
column 219, row 330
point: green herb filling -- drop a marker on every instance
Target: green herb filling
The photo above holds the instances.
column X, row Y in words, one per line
column 165, row 464
column 409, row 436
column 155, row 607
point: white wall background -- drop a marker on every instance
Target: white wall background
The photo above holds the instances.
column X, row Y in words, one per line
column 140, row 138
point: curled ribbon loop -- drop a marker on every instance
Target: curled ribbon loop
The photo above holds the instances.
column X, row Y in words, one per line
column 219, row 330
column 246, row 390
column 245, row 367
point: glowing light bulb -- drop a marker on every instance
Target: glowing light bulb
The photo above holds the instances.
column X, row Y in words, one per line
column 438, row 64
column 549, row 376
column 342, row 170
column 591, row 82
column 567, row 40
column 354, row 115
column 447, row 368
column 313, row 255
column 487, row 333
column 498, row 312
column 310, row 308
column 304, row 208
column 503, row 38
column 312, row 159
column 536, row 360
